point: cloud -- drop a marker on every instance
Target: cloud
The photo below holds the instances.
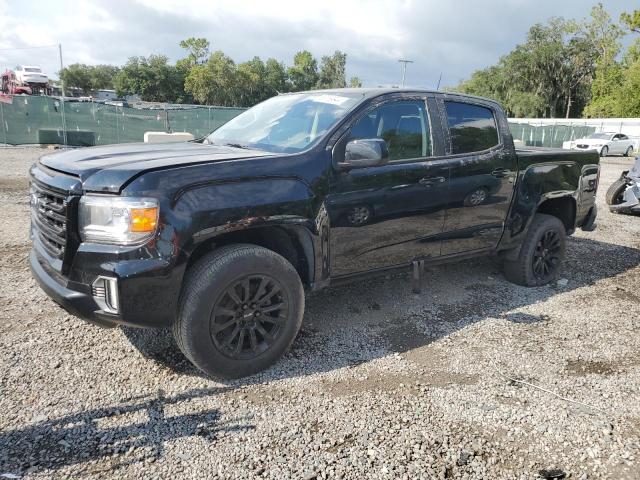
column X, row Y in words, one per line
column 452, row 38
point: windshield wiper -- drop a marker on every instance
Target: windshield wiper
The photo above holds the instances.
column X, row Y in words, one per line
column 236, row 145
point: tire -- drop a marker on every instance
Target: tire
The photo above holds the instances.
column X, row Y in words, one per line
column 616, row 191
column 476, row 197
column 628, row 152
column 604, row 152
column 215, row 294
column 543, row 247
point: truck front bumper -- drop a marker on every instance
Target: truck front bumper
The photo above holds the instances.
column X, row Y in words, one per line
column 147, row 288
column 77, row 303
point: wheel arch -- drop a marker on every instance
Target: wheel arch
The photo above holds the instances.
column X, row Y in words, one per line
column 294, row 243
column 564, row 208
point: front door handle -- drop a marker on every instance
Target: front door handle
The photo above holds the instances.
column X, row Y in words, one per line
column 500, row 172
column 430, row 181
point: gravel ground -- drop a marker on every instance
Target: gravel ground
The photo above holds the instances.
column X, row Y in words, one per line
column 381, row 383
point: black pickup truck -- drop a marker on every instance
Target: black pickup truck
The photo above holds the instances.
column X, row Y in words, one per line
column 220, row 238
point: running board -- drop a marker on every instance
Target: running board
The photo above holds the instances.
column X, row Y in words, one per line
column 418, row 276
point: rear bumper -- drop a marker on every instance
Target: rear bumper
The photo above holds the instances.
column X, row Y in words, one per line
column 630, row 201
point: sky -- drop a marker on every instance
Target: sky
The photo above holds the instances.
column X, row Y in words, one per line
column 452, row 38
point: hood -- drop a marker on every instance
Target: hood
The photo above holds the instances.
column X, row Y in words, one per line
column 109, row 168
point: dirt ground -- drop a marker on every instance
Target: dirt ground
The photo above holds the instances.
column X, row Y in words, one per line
column 473, row 378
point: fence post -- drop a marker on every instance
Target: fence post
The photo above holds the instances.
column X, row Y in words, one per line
column 117, row 125
column 4, row 129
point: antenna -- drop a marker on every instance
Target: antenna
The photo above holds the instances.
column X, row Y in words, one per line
column 439, row 80
column 404, row 69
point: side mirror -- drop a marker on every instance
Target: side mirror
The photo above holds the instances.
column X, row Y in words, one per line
column 365, row 152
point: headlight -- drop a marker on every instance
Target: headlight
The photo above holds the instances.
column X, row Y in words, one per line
column 117, row 220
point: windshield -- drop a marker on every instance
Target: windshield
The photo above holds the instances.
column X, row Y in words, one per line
column 286, row 123
column 600, row 136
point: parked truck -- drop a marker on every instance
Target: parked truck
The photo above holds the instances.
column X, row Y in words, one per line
column 220, row 239
column 10, row 85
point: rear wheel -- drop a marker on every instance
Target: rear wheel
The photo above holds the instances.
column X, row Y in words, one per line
column 628, row 152
column 615, row 192
column 240, row 310
column 541, row 253
column 604, row 152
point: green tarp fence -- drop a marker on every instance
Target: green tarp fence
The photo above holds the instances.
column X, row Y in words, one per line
column 32, row 120
column 548, row 135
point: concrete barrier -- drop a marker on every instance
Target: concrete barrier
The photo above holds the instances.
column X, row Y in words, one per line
column 164, row 137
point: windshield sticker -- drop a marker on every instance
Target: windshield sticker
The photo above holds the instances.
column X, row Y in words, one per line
column 330, row 99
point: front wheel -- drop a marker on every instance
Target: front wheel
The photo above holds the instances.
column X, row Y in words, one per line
column 240, row 310
column 541, row 253
column 604, row 152
column 476, row 197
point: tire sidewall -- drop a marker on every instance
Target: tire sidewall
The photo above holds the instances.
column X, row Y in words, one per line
column 616, row 189
column 540, row 225
column 203, row 291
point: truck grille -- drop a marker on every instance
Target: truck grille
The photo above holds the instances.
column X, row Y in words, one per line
column 49, row 218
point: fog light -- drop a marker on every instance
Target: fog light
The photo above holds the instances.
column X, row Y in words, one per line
column 105, row 291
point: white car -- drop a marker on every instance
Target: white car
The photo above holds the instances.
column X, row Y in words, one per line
column 605, row 143
column 26, row 74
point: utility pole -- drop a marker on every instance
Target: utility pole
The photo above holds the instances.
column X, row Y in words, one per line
column 404, row 69
column 64, row 123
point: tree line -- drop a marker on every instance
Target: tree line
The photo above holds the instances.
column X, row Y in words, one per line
column 210, row 78
column 568, row 68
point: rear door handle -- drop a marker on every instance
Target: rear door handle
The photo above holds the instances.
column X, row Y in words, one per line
column 430, row 181
column 500, row 172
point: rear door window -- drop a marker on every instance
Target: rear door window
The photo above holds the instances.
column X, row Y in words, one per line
column 472, row 127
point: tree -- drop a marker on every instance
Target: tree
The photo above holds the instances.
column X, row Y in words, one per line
column 275, row 77
column 332, row 71
column 197, row 48
column 614, row 92
column 77, row 75
column 102, row 76
column 355, row 82
column 250, row 86
column 212, row 83
column 303, row 75
column 88, row 77
column 607, row 76
column 631, row 20
column 551, row 74
column 152, row 78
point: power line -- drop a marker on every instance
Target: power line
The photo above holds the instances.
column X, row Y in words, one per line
column 27, row 48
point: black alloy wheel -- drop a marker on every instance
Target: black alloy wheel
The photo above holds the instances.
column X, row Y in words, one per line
column 247, row 318
column 547, row 255
column 539, row 259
